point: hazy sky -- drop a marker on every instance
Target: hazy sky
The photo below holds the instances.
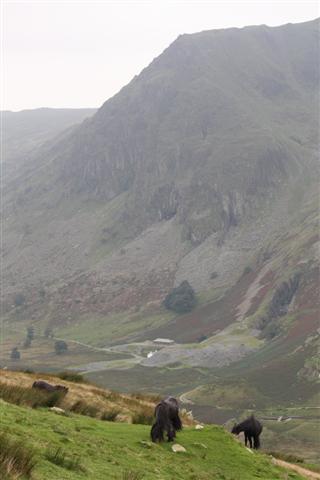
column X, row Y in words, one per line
column 79, row 53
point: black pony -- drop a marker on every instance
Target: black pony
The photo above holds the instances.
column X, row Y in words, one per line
column 167, row 419
column 42, row 385
column 251, row 428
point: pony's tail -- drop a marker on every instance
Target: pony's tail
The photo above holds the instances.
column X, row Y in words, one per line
column 176, row 422
column 159, row 425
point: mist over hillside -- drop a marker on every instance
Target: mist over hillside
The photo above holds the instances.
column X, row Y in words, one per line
column 25, row 131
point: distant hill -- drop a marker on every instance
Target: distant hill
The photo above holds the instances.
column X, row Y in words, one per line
column 26, row 130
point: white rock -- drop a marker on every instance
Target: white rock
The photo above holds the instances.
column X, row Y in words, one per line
column 57, row 410
column 178, row 448
column 199, row 427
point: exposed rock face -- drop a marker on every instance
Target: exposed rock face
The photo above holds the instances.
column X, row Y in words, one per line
column 178, row 175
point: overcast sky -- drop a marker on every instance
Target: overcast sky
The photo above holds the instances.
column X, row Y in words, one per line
column 79, row 53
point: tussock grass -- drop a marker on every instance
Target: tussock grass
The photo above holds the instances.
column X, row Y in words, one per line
column 16, row 460
column 83, row 408
column 62, row 459
column 29, row 396
column 143, row 417
column 110, row 415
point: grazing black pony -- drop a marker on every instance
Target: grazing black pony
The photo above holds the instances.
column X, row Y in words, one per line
column 42, row 385
column 252, row 429
column 167, row 419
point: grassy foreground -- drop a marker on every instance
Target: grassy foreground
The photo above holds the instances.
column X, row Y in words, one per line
column 75, row 447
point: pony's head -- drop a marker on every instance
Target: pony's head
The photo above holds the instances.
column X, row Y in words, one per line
column 235, row 429
column 157, row 433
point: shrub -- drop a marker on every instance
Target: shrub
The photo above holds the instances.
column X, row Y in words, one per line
column 202, row 338
column 71, row 377
column 60, row 347
column 29, row 396
column 110, row 415
column 15, row 354
column 181, row 299
column 247, row 270
column 16, row 460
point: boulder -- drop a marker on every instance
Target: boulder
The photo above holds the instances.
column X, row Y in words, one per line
column 176, row 448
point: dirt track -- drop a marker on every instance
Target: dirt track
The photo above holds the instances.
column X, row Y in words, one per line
column 296, row 468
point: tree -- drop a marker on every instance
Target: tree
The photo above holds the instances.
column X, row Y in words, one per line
column 19, row 299
column 48, row 332
column 30, row 333
column 29, row 337
column 27, row 343
column 60, row 347
column 181, row 299
column 15, row 354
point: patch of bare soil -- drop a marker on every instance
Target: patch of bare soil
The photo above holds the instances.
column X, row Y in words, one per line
column 304, row 472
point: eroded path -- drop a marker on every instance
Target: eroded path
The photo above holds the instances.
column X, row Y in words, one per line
column 304, row 472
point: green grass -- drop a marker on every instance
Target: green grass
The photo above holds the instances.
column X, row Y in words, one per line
column 122, row 451
column 105, row 329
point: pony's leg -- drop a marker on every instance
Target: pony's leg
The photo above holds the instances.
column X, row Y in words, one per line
column 171, row 433
column 246, row 439
column 250, row 441
column 256, row 442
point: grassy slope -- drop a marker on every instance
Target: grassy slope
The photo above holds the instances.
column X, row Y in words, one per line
column 107, row 450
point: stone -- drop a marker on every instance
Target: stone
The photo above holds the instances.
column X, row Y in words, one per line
column 177, row 448
column 199, row 427
column 57, row 410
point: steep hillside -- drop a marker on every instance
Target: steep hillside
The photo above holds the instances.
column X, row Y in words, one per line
column 76, row 447
column 206, row 143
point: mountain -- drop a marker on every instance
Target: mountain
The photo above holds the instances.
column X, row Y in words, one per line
column 203, row 169
column 24, row 131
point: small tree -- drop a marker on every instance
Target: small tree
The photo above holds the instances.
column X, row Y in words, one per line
column 15, row 354
column 181, row 299
column 60, row 347
column 48, row 332
column 19, row 299
column 27, row 343
column 30, row 333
